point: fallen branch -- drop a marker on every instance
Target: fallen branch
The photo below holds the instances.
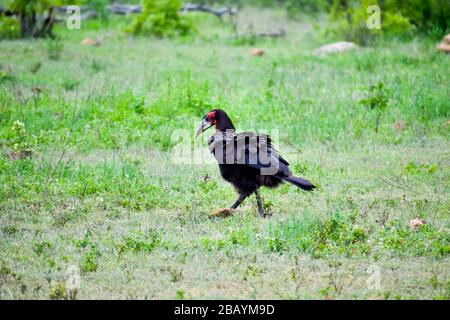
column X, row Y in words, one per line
column 124, row 9
column 275, row 34
column 219, row 12
column 251, row 35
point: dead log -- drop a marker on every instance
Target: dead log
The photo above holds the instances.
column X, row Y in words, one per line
column 250, row 34
column 275, row 34
column 219, row 12
column 124, row 9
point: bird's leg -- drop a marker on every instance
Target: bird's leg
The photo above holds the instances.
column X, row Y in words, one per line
column 260, row 205
column 238, row 201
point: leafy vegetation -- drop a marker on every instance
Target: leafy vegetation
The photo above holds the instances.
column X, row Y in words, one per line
column 377, row 100
column 161, row 18
column 102, row 190
column 399, row 18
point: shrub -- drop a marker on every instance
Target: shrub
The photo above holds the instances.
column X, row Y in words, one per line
column 54, row 49
column 376, row 100
column 89, row 262
column 161, row 18
column 140, row 242
column 9, row 27
column 422, row 14
column 397, row 18
column 58, row 291
column 350, row 22
column 21, row 140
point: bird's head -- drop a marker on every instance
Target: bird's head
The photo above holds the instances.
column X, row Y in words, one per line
column 217, row 118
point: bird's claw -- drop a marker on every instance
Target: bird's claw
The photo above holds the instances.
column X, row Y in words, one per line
column 265, row 215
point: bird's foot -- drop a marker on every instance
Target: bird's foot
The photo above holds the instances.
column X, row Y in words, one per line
column 263, row 214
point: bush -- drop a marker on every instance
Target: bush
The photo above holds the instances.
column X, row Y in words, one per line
column 397, row 18
column 351, row 18
column 377, row 100
column 161, row 18
column 20, row 139
column 54, row 49
column 9, row 28
column 422, row 14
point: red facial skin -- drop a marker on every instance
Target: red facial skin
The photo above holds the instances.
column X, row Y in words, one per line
column 211, row 117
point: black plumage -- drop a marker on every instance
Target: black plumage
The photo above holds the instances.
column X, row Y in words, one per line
column 247, row 160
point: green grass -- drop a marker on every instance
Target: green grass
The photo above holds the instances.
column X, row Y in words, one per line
column 102, row 190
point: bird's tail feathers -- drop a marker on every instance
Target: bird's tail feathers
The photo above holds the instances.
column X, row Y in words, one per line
column 301, row 183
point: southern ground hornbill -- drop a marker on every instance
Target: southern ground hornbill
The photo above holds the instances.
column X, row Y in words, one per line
column 247, row 160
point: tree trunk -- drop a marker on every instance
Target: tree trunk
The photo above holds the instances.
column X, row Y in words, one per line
column 32, row 25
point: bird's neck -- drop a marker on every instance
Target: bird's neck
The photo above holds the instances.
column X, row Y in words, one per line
column 225, row 126
column 221, row 130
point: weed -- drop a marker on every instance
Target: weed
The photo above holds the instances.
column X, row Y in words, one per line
column 335, row 235
column 426, row 241
column 377, row 100
column 54, row 49
column 180, row 294
column 140, row 242
column 41, row 247
column 89, row 262
column 418, row 168
column 58, row 291
column 20, row 139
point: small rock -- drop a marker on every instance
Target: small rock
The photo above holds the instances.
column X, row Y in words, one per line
column 90, row 42
column 400, row 126
column 336, row 47
column 257, row 52
column 222, row 213
column 445, row 44
column 416, row 223
column 444, row 47
column 446, row 39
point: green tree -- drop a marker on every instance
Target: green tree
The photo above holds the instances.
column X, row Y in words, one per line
column 36, row 17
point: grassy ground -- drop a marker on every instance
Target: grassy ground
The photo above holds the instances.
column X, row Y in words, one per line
column 104, row 190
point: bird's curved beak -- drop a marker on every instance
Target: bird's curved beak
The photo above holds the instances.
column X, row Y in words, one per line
column 203, row 127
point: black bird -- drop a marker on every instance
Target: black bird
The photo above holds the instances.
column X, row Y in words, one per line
column 247, row 160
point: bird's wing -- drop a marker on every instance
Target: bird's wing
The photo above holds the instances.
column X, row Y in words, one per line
column 251, row 149
column 265, row 141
